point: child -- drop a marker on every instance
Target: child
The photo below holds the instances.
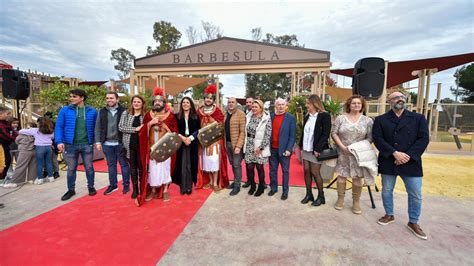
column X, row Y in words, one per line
column 15, row 126
column 43, row 141
column 7, row 136
column 26, row 163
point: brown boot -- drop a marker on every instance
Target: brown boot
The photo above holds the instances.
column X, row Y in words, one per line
column 356, row 191
column 341, row 191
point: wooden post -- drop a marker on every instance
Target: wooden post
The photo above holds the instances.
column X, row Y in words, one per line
column 436, row 114
column 426, row 98
column 421, row 86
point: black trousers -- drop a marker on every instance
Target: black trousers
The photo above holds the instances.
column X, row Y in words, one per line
column 136, row 168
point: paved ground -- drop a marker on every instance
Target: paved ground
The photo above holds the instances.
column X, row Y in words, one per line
column 246, row 230
column 30, row 200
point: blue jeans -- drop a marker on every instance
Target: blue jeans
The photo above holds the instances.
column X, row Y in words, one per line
column 413, row 188
column 275, row 160
column 43, row 157
column 72, row 152
column 112, row 154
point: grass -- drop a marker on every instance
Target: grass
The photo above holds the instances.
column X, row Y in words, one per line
column 444, row 136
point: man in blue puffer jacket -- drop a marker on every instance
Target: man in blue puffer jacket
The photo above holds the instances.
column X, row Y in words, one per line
column 74, row 134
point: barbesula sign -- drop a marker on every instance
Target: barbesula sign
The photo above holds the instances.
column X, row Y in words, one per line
column 230, row 51
column 228, row 56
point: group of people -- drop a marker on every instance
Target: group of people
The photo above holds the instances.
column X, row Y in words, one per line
column 32, row 149
column 126, row 136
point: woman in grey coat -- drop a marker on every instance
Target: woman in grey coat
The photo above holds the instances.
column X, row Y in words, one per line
column 130, row 123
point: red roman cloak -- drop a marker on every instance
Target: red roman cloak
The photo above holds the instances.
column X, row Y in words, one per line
column 203, row 177
column 168, row 123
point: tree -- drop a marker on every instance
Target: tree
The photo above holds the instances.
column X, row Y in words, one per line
column 166, row 35
column 413, row 97
column 124, row 60
column 54, row 97
column 192, row 35
column 465, row 80
column 269, row 86
column 211, row 31
column 256, row 34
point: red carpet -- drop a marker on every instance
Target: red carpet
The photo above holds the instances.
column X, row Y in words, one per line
column 101, row 230
column 296, row 171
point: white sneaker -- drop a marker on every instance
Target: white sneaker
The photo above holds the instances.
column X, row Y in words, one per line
column 38, row 181
column 50, row 179
column 30, row 182
column 10, row 185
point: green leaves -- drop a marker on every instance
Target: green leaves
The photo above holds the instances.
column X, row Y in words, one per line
column 57, row 95
column 334, row 108
column 124, row 60
column 166, row 35
column 465, row 79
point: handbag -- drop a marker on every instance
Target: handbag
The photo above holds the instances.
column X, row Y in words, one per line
column 328, row 154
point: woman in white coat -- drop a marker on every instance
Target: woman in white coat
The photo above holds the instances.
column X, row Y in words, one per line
column 257, row 146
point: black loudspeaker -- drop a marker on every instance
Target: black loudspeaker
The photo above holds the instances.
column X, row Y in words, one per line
column 16, row 84
column 368, row 77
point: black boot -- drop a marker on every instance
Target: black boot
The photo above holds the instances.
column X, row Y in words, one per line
column 135, row 191
column 260, row 190
column 252, row 189
column 246, row 184
column 320, row 200
column 309, row 197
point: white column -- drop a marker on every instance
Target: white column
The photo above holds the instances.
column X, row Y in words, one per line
column 132, row 82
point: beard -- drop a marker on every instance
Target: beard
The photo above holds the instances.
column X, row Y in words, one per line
column 158, row 108
column 208, row 105
column 399, row 105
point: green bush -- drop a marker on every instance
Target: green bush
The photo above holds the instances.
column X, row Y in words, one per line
column 57, row 96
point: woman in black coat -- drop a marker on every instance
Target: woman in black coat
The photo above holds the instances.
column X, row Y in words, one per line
column 315, row 138
column 185, row 172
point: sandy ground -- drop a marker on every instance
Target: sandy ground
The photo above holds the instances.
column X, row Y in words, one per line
column 445, row 175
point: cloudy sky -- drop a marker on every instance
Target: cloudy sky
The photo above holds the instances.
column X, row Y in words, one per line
column 74, row 38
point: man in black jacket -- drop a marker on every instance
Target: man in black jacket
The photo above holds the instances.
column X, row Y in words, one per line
column 109, row 139
column 401, row 137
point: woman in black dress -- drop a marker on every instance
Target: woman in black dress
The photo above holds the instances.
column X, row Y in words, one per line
column 185, row 173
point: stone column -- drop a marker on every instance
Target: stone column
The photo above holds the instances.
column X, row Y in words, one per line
column 132, row 82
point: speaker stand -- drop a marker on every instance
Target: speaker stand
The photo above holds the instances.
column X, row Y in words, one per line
column 368, row 187
column 18, row 112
